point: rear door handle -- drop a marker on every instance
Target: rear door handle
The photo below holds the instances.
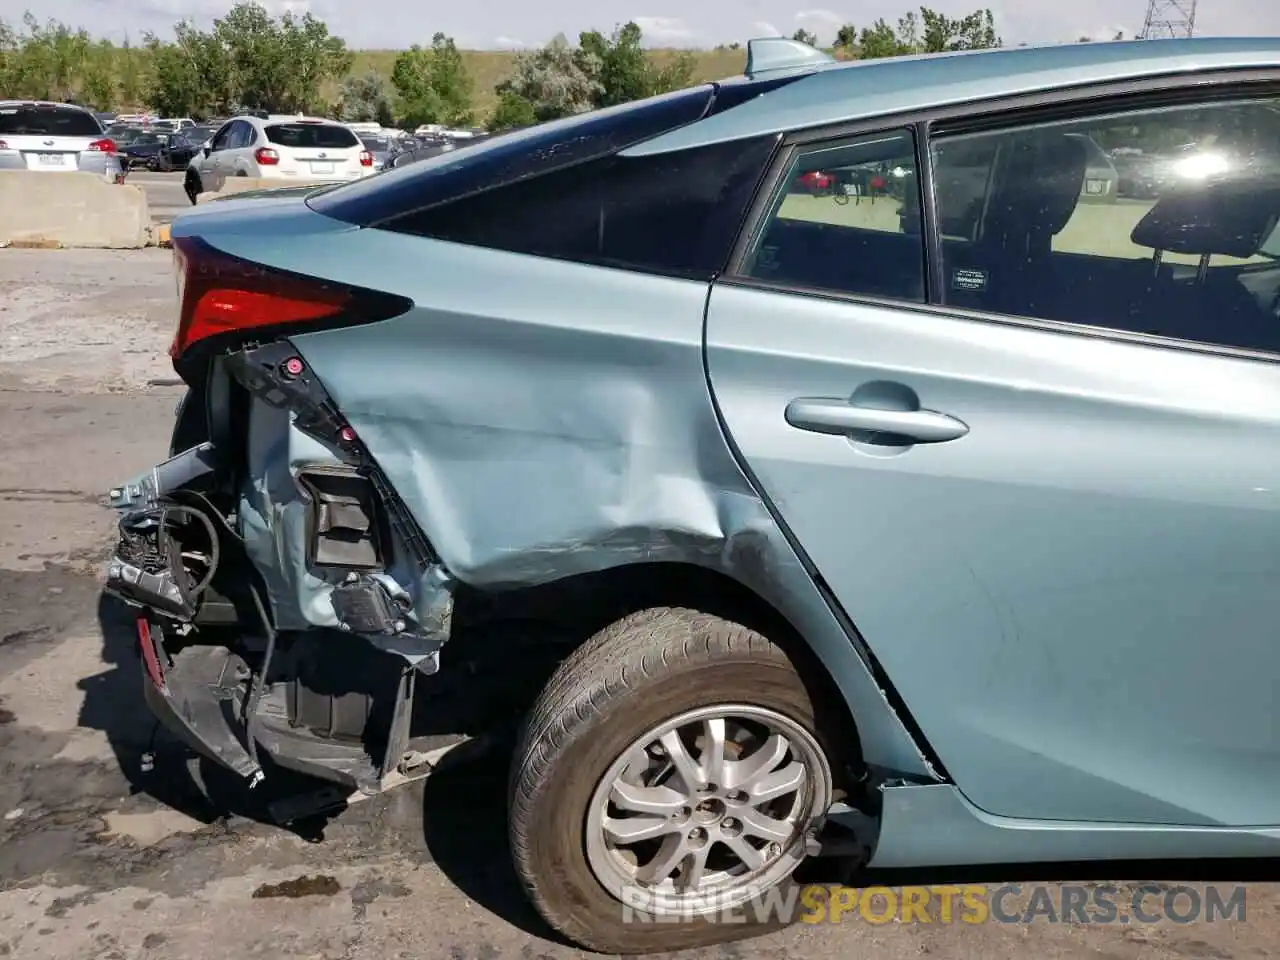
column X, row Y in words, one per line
column 824, row 415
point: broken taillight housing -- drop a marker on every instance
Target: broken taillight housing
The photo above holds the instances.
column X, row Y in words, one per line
column 221, row 294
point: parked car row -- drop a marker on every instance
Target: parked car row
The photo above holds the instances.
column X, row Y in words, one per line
column 40, row 135
column 63, row 137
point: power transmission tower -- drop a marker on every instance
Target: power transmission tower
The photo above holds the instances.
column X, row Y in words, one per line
column 1169, row 18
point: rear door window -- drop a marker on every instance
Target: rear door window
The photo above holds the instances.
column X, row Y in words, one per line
column 313, row 136
column 48, row 122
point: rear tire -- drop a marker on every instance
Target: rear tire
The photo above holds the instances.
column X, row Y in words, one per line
column 623, row 714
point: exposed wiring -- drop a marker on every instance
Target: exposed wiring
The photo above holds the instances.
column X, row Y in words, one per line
column 177, row 510
column 259, row 682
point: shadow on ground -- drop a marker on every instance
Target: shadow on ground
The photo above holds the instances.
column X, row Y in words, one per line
column 464, row 824
column 157, row 764
column 464, row 806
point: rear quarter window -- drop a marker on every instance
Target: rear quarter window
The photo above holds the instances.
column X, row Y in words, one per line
column 505, row 159
column 48, row 122
column 560, row 190
column 311, row 135
column 675, row 214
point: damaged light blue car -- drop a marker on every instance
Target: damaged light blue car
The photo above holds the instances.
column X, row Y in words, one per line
column 871, row 460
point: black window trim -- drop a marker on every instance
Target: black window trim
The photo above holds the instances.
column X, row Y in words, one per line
column 1150, row 92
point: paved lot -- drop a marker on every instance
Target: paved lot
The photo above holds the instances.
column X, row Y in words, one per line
column 165, row 198
column 102, row 859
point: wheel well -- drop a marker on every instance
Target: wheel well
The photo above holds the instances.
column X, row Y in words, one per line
column 578, row 607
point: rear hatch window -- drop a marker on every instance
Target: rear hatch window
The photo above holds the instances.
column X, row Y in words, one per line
column 47, row 122
column 316, row 136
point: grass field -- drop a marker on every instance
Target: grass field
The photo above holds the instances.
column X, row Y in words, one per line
column 488, row 68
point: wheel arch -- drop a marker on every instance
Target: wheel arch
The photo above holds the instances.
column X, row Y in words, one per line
column 588, row 602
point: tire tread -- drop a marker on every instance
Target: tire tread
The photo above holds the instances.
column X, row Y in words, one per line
column 624, row 657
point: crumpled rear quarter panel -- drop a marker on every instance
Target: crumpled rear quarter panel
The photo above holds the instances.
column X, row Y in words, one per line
column 543, row 419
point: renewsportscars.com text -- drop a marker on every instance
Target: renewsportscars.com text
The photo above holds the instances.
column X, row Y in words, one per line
column 1143, row 903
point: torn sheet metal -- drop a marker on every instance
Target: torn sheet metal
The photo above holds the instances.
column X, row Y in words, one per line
column 274, row 518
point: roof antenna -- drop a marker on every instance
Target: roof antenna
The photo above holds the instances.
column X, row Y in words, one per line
column 776, row 54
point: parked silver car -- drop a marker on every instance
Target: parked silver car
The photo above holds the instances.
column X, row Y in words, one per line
column 51, row 137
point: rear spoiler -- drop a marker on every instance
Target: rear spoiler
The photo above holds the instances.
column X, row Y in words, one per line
column 768, row 56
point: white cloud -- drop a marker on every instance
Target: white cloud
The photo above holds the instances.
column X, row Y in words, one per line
column 763, row 28
column 820, row 17
column 821, row 22
column 663, row 29
column 508, row 43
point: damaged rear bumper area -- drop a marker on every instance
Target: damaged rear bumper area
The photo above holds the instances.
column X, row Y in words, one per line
column 285, row 599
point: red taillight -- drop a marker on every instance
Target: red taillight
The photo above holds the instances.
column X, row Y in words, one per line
column 221, row 294
column 103, row 146
column 3, row 145
column 366, row 158
column 266, row 157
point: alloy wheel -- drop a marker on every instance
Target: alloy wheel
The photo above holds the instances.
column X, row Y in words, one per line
column 707, row 810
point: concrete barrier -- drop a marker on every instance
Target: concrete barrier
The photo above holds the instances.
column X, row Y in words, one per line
column 260, row 186
column 71, row 210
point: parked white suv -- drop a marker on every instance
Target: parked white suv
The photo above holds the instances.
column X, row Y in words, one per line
column 56, row 138
column 293, row 148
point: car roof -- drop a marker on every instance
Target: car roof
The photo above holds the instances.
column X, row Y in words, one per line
column 47, row 104
column 861, row 90
column 276, row 120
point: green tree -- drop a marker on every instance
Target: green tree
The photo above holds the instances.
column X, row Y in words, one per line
column 976, row 31
column 433, row 84
column 191, row 76
column 512, row 111
column 804, row 36
column 365, row 98
column 557, row 80
column 10, row 51
column 928, row 32
column 676, row 74
column 847, row 37
column 279, row 64
column 131, row 65
column 880, row 40
column 98, row 76
column 623, row 69
column 50, row 60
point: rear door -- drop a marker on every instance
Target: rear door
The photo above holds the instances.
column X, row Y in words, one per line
column 1046, row 485
column 51, row 138
column 315, row 150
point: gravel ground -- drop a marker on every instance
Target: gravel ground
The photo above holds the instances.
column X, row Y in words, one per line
column 103, row 859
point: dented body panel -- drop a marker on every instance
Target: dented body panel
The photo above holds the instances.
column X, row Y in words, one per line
column 535, row 438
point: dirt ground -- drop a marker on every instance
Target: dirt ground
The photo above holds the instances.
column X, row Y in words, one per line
column 104, row 859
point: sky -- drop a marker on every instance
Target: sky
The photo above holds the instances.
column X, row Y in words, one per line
column 515, row 24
